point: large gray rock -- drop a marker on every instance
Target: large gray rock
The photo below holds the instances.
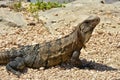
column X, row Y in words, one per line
column 71, row 15
column 75, row 12
column 13, row 19
column 57, row 18
column 111, row 1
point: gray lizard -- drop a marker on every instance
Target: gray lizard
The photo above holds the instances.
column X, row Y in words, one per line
column 50, row 53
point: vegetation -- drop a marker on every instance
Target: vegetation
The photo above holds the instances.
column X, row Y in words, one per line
column 33, row 7
column 39, row 5
column 17, row 6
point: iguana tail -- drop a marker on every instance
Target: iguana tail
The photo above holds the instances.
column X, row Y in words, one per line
column 7, row 56
column 4, row 57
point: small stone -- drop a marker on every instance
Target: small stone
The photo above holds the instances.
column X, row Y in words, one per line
column 1, row 18
column 100, row 32
column 113, row 26
column 31, row 24
column 118, row 23
column 56, row 14
column 41, row 68
column 53, row 21
column 118, row 46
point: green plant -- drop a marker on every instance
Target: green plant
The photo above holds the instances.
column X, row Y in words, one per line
column 36, row 16
column 17, row 6
column 33, row 7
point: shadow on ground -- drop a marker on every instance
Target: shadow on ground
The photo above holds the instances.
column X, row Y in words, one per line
column 97, row 66
column 90, row 65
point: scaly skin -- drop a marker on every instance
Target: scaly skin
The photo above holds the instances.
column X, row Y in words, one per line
column 50, row 53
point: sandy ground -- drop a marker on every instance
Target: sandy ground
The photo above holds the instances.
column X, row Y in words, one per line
column 103, row 50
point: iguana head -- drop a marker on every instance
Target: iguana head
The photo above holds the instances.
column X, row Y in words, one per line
column 87, row 27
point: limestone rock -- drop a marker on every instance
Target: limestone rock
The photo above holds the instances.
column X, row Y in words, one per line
column 13, row 19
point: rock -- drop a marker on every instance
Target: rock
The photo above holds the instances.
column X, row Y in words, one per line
column 13, row 19
column 111, row 1
column 64, row 18
column 118, row 46
column 75, row 12
column 4, row 4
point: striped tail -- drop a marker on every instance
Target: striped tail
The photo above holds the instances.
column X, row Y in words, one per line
column 4, row 57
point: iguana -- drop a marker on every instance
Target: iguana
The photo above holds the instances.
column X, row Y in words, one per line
column 50, row 53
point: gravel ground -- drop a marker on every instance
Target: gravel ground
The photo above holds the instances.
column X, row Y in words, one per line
column 103, row 50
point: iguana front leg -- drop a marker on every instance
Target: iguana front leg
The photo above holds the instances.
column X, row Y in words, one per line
column 75, row 61
column 16, row 65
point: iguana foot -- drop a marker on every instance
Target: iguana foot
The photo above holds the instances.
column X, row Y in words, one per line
column 17, row 73
column 76, row 63
column 87, row 65
column 16, row 65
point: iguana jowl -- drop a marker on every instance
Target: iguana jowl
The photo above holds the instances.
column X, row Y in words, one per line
column 50, row 53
